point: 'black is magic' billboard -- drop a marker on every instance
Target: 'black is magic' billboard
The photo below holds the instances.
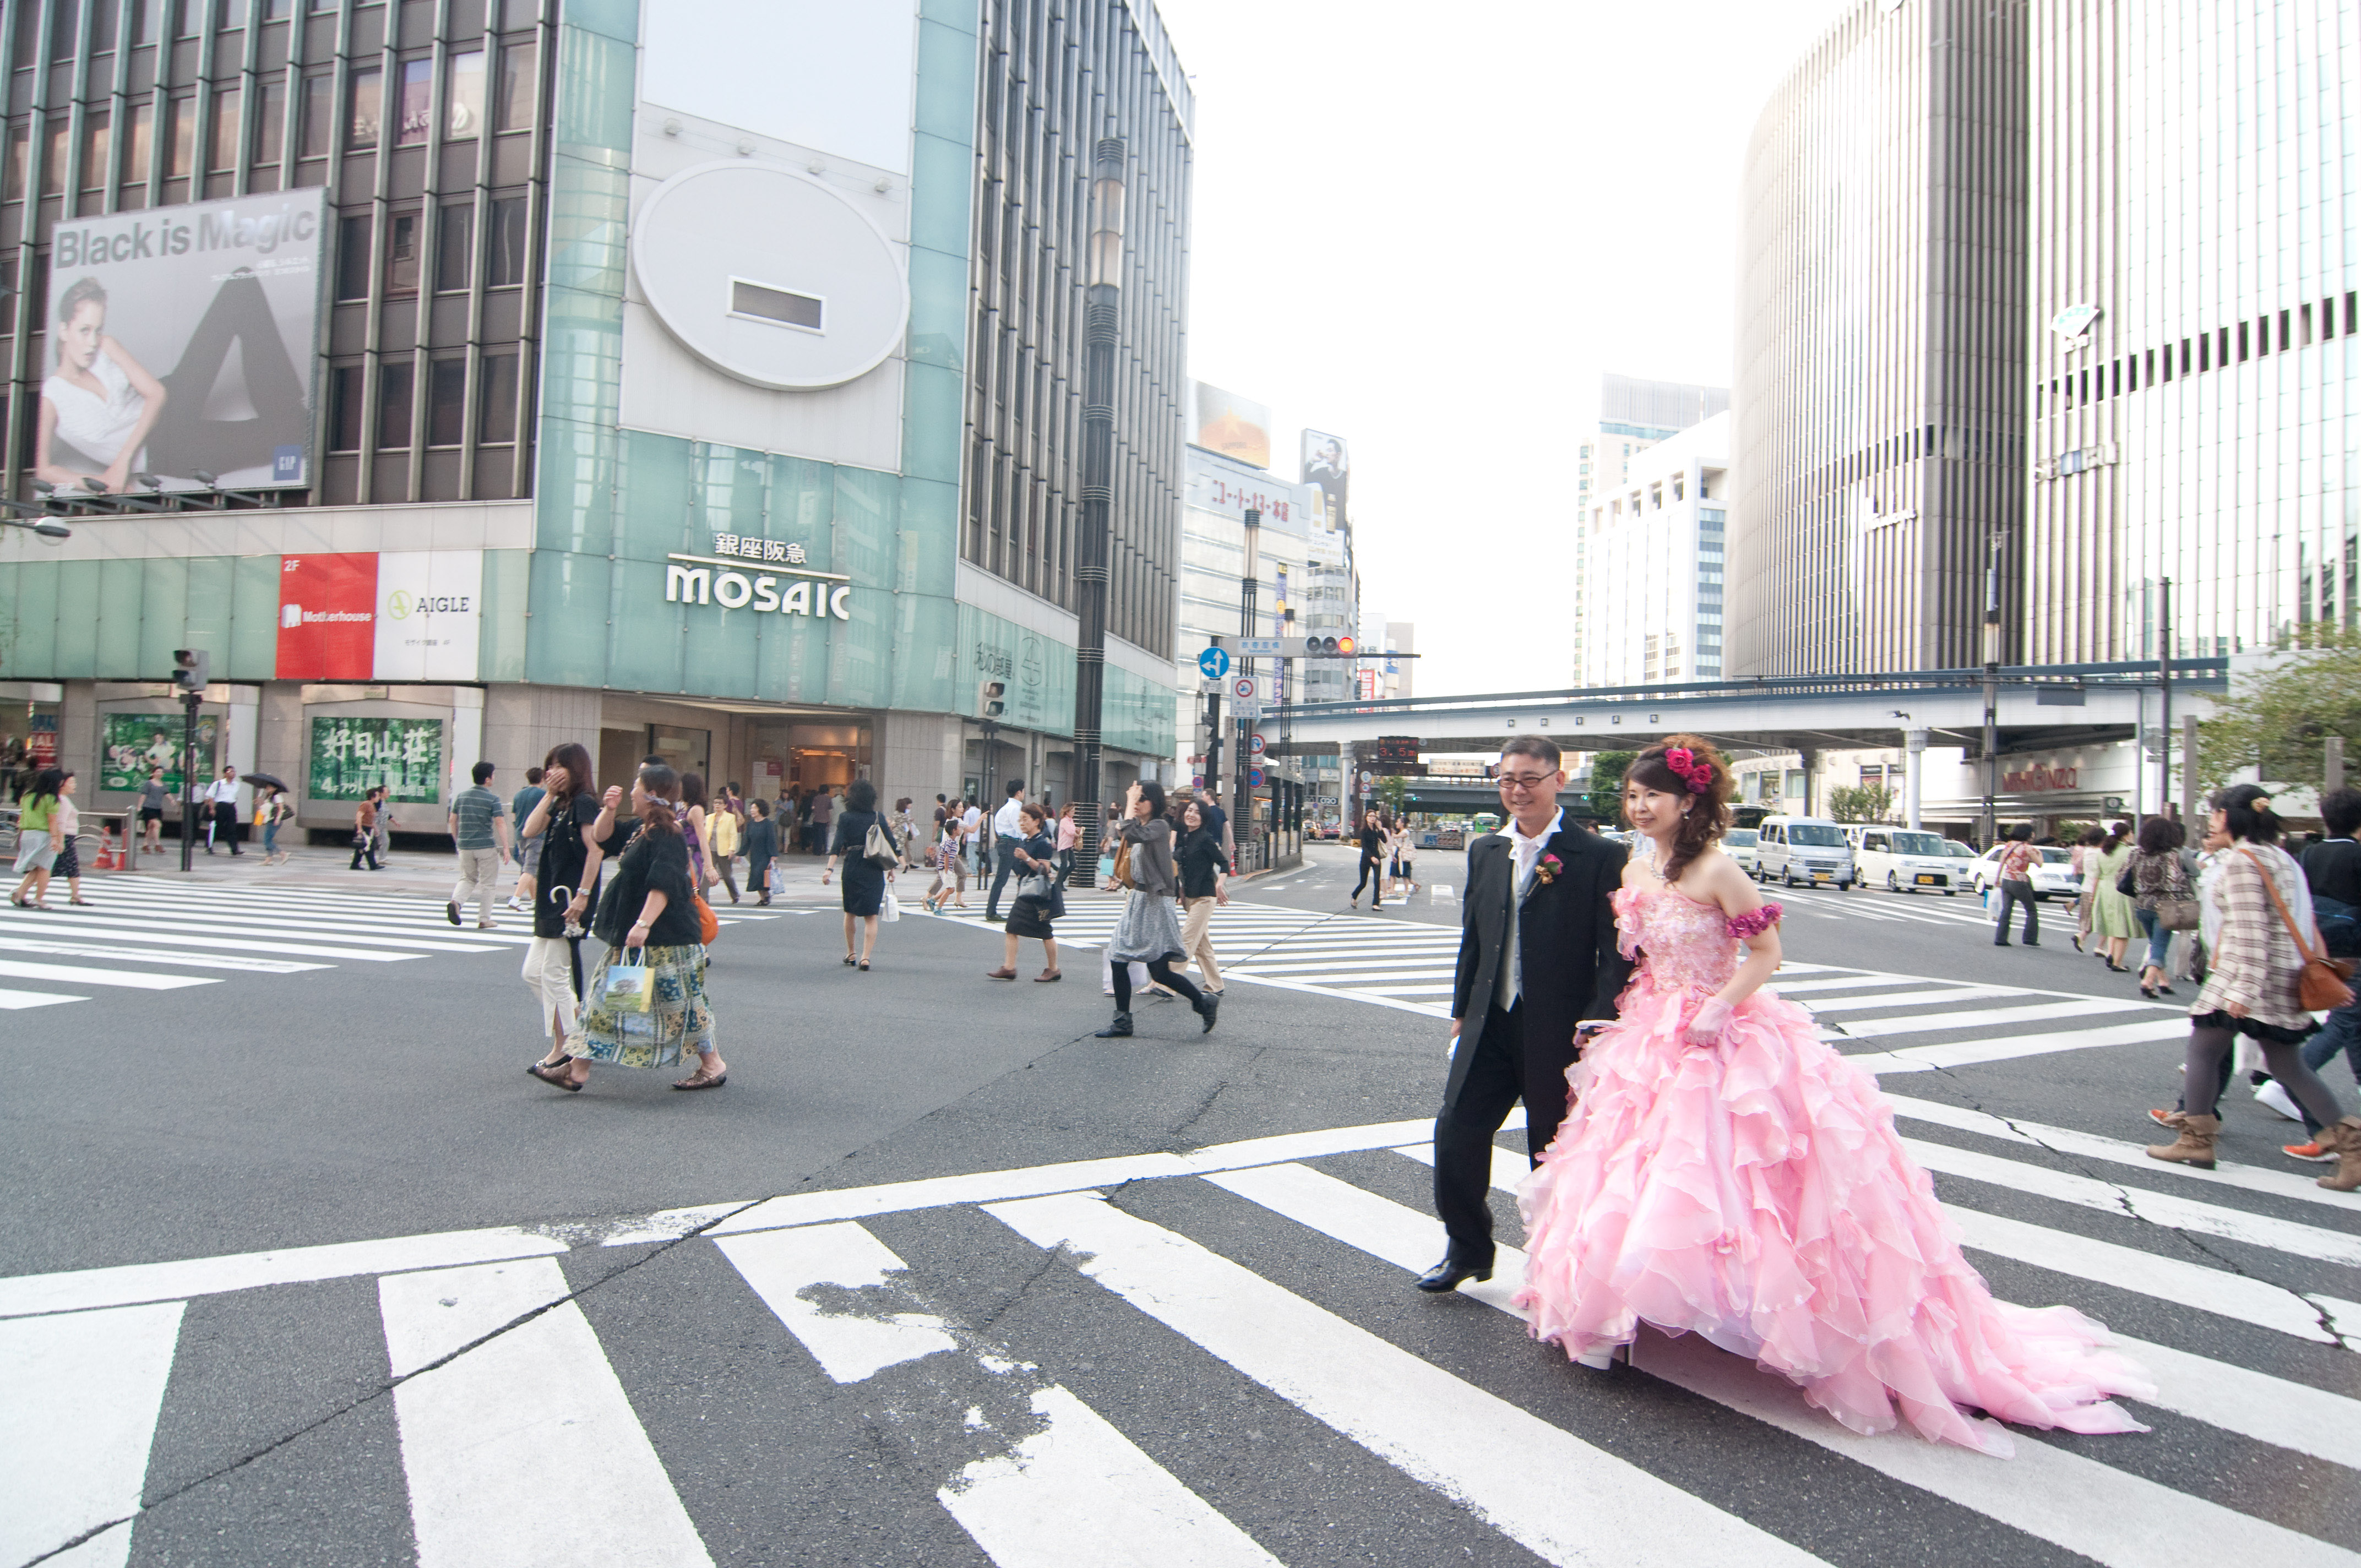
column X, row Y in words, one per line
column 182, row 339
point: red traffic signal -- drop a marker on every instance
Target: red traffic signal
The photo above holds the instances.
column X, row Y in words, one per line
column 1344, row 645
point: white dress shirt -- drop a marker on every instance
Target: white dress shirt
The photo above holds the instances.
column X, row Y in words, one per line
column 1524, row 854
column 222, row 789
column 1008, row 822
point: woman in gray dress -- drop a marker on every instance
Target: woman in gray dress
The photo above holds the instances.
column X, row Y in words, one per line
column 1150, row 931
column 865, row 880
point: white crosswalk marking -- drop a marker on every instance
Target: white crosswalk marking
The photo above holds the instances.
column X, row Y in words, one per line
column 500, row 1375
column 149, row 932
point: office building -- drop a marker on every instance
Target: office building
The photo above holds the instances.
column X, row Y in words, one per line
column 2195, row 374
column 694, row 377
column 1879, row 446
column 1654, row 550
column 1633, row 414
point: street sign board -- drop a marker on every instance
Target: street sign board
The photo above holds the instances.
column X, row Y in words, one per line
column 1254, row 778
column 1214, row 661
column 1367, row 779
column 1261, row 647
column 1244, row 688
column 1246, row 707
column 1256, row 745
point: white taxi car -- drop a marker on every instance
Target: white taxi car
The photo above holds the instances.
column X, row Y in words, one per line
column 1903, row 860
column 2053, row 872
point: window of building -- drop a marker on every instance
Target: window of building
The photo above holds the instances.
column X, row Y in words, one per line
column 516, row 79
column 462, row 105
column 353, row 252
column 504, row 240
column 395, row 381
column 221, row 149
column 367, row 108
column 416, row 105
column 496, row 424
column 145, row 16
column 189, row 17
column 346, row 394
column 64, row 26
column 227, row 14
column 96, row 146
column 446, row 402
column 454, row 245
column 139, row 145
column 315, row 130
column 53, row 156
column 401, row 252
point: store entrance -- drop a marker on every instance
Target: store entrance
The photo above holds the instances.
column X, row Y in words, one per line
column 798, row 757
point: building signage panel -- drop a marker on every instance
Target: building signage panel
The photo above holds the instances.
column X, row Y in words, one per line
column 327, row 618
column 1231, row 425
column 134, row 743
column 736, row 583
column 429, row 606
column 185, row 338
column 2039, row 777
column 1228, row 488
column 351, row 756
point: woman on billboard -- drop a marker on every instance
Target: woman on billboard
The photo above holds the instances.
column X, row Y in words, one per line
column 101, row 401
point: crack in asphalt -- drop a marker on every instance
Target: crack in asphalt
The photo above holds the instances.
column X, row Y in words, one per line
column 572, row 1294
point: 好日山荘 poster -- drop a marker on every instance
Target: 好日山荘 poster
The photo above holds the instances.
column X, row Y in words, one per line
column 352, row 756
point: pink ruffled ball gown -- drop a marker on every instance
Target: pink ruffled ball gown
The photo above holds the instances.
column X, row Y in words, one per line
column 1754, row 1192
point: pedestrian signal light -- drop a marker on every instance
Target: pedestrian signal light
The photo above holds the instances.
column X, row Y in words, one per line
column 192, row 669
column 991, row 698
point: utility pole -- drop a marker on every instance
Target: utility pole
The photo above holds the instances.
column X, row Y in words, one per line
column 1103, row 311
column 1991, row 826
column 2188, row 773
column 2164, row 684
column 192, row 672
column 1249, row 586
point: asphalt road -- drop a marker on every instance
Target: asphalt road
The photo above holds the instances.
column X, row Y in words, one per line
column 292, row 1403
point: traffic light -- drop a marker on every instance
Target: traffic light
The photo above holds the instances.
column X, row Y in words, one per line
column 192, row 669
column 1344, row 647
column 990, row 698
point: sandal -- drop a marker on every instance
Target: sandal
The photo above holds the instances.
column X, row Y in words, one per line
column 864, row 965
column 567, row 1084
column 698, row 1080
column 850, row 961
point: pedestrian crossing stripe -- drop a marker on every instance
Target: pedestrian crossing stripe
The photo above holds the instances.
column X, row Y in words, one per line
column 147, row 936
column 497, row 1372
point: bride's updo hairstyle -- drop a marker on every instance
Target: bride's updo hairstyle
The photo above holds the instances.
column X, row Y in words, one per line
column 1687, row 765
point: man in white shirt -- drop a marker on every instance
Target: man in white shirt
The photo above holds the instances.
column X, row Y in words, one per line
column 221, row 811
column 970, row 840
column 1008, row 833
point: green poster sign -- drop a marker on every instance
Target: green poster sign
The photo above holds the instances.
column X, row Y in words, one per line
column 352, row 756
column 134, row 742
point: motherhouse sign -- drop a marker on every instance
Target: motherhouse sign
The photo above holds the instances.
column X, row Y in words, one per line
column 766, row 574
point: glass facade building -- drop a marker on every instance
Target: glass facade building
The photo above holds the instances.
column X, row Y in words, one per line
column 2196, row 247
column 594, row 453
column 1880, row 353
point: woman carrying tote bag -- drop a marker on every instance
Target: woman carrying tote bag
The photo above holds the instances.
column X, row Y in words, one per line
column 864, row 878
column 1039, row 900
column 2260, row 943
column 2161, row 899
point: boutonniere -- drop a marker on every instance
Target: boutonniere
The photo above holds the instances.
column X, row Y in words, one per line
column 1548, row 869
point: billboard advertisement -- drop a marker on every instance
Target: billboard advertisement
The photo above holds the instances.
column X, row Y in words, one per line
column 1228, row 488
column 327, row 618
column 352, row 756
column 182, row 340
column 1229, row 424
column 410, row 615
column 1327, row 463
column 134, row 743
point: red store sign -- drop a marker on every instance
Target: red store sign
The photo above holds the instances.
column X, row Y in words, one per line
column 2039, row 777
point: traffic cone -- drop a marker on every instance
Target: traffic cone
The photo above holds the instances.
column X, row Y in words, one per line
column 109, row 861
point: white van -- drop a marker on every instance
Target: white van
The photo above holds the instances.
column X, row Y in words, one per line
column 1804, row 849
column 1903, row 860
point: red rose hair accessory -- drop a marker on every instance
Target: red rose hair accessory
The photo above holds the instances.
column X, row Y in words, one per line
column 1687, row 765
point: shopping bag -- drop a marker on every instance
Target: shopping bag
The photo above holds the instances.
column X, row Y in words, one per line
column 891, row 909
column 629, row 987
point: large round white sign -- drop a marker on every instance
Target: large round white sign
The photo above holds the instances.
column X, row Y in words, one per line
column 769, row 276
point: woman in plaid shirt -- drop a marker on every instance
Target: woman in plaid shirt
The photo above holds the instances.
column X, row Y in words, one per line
column 2253, row 966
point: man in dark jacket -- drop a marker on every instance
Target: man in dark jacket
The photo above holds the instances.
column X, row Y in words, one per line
column 1538, row 969
column 2332, row 869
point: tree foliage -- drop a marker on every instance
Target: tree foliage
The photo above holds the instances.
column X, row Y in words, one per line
column 2278, row 719
column 1607, row 770
column 1861, row 803
column 1392, row 791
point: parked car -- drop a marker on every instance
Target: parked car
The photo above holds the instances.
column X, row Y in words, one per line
column 2053, row 873
column 1804, row 849
column 1903, row 860
column 1739, row 845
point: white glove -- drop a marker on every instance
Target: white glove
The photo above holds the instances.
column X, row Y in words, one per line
column 1704, row 1029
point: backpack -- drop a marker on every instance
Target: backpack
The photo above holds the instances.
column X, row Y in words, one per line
column 878, row 849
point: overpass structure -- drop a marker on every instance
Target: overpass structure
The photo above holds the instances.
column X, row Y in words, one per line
column 2037, row 708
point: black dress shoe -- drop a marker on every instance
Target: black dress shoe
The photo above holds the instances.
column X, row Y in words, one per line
column 1449, row 1274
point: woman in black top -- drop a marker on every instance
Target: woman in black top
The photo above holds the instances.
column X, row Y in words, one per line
column 578, row 835
column 865, row 880
column 1150, row 930
column 649, row 913
column 1373, row 851
column 1031, row 913
column 761, row 845
column 1198, row 856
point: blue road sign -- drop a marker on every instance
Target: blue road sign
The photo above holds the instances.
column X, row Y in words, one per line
column 1214, row 661
column 1254, row 778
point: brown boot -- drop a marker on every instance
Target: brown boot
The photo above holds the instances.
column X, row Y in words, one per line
column 2347, row 1145
column 2195, row 1144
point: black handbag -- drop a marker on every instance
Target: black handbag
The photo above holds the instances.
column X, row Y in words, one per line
column 2127, row 885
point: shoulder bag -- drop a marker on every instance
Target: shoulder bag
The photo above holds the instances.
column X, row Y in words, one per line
column 2320, row 986
column 877, row 846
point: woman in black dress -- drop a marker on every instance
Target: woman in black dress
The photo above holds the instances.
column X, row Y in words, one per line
column 1031, row 913
column 865, row 880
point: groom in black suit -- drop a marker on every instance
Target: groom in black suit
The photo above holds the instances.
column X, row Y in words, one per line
column 1538, row 968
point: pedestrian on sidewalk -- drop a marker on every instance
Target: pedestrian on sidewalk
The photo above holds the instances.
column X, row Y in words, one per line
column 761, row 845
column 2259, row 929
column 649, row 914
column 221, row 814
column 697, row 829
column 578, row 831
column 152, row 798
column 1149, row 929
column 528, row 849
column 2082, row 861
column 37, row 844
column 479, row 828
column 864, row 878
column 823, row 819
column 1204, row 884
column 365, row 828
column 2160, row 889
column 2114, row 919
column 2332, row 872
column 2015, row 882
column 1373, row 860
column 1108, row 831
column 274, row 811
column 1038, row 899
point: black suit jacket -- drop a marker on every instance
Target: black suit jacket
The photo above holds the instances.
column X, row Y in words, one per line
column 1566, row 930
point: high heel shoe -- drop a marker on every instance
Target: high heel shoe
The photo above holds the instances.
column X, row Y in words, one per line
column 2148, row 992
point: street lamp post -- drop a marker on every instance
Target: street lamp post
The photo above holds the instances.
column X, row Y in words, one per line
column 1242, row 818
column 1103, row 304
column 1991, row 829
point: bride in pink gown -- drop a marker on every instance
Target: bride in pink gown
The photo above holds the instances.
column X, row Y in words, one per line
column 1722, row 1172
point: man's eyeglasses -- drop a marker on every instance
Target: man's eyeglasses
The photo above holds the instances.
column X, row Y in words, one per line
column 1509, row 782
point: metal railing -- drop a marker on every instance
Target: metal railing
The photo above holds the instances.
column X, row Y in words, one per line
column 108, row 836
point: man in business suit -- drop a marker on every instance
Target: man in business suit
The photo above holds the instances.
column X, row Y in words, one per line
column 1538, row 968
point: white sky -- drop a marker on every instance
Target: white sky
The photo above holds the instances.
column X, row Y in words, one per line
column 1430, row 229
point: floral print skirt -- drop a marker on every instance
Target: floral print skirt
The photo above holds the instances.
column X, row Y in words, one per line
column 676, row 1023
